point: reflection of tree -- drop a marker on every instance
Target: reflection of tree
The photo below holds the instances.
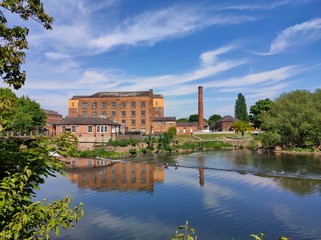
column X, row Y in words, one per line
column 299, row 186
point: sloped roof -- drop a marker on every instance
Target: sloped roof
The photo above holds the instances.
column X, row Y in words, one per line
column 186, row 124
column 164, row 119
column 228, row 118
column 86, row 121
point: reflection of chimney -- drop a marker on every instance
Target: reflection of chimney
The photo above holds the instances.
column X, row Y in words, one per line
column 200, row 108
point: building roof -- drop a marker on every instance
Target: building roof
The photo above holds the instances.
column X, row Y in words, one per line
column 51, row 112
column 186, row 124
column 86, row 121
column 228, row 118
column 117, row 94
column 164, row 119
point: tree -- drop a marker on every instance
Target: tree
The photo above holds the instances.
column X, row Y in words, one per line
column 13, row 40
column 214, row 118
column 242, row 127
column 182, row 120
column 8, row 101
column 193, row 118
column 256, row 110
column 22, row 168
column 172, row 131
column 296, row 117
column 21, row 171
column 28, row 116
column 241, row 109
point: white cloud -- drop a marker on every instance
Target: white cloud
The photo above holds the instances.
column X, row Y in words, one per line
column 297, row 35
column 151, row 27
column 210, row 57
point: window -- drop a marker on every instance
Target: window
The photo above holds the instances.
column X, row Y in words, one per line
column 156, row 108
column 133, row 121
column 133, row 104
column 156, row 103
column 103, row 113
column 94, row 114
column 123, row 113
column 170, row 123
column 113, row 113
column 143, row 130
column 72, row 104
column 84, row 105
column 164, row 123
column 142, row 121
column 143, row 113
column 133, row 113
column 156, row 115
column 142, row 104
column 63, row 128
column 123, row 104
column 90, row 129
column 103, row 105
column 155, row 123
column 123, row 121
column 102, row 129
column 94, row 105
column 113, row 104
column 84, row 113
column 73, row 129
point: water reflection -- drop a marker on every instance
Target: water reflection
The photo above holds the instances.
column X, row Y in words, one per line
column 107, row 175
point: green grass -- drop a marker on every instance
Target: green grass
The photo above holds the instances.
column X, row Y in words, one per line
column 185, row 138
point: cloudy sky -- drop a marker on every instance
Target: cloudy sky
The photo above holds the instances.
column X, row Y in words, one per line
column 258, row 48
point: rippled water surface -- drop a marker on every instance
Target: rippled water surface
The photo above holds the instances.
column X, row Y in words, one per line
column 223, row 195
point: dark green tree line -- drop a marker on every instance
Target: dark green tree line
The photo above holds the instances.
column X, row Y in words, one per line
column 294, row 120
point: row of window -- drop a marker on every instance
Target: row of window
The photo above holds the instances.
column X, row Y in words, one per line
column 114, row 113
column 90, row 129
column 163, row 123
column 94, row 105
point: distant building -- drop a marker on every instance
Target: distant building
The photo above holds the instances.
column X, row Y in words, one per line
column 52, row 118
column 89, row 130
column 224, row 124
column 134, row 110
column 186, row 127
column 161, row 124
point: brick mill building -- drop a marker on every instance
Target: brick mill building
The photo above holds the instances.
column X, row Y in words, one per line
column 134, row 110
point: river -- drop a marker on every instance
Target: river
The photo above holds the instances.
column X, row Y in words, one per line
column 223, row 195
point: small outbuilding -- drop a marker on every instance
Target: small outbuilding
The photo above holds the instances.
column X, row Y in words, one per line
column 224, row 124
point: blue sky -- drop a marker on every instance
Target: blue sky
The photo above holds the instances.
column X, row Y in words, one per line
column 258, row 48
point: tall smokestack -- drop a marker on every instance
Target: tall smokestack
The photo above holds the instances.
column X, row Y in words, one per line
column 200, row 108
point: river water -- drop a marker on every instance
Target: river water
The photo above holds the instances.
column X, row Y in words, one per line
column 223, row 195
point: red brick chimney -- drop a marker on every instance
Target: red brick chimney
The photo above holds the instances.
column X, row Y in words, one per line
column 200, row 108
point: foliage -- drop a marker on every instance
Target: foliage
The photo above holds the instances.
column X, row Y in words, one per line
column 8, row 101
column 100, row 152
column 269, row 139
column 13, row 40
column 184, row 232
column 256, row 110
column 172, row 131
column 296, row 117
column 123, row 142
column 241, row 109
column 242, row 127
column 150, row 141
column 28, row 116
column 204, row 145
column 182, row 120
column 22, row 170
column 164, row 142
column 214, row 118
column 193, row 118
column 216, row 136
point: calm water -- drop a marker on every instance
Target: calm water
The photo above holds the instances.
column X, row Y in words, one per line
column 223, row 195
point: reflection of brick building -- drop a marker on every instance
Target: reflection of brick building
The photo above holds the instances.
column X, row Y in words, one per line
column 133, row 110
column 91, row 173
column 52, row 118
